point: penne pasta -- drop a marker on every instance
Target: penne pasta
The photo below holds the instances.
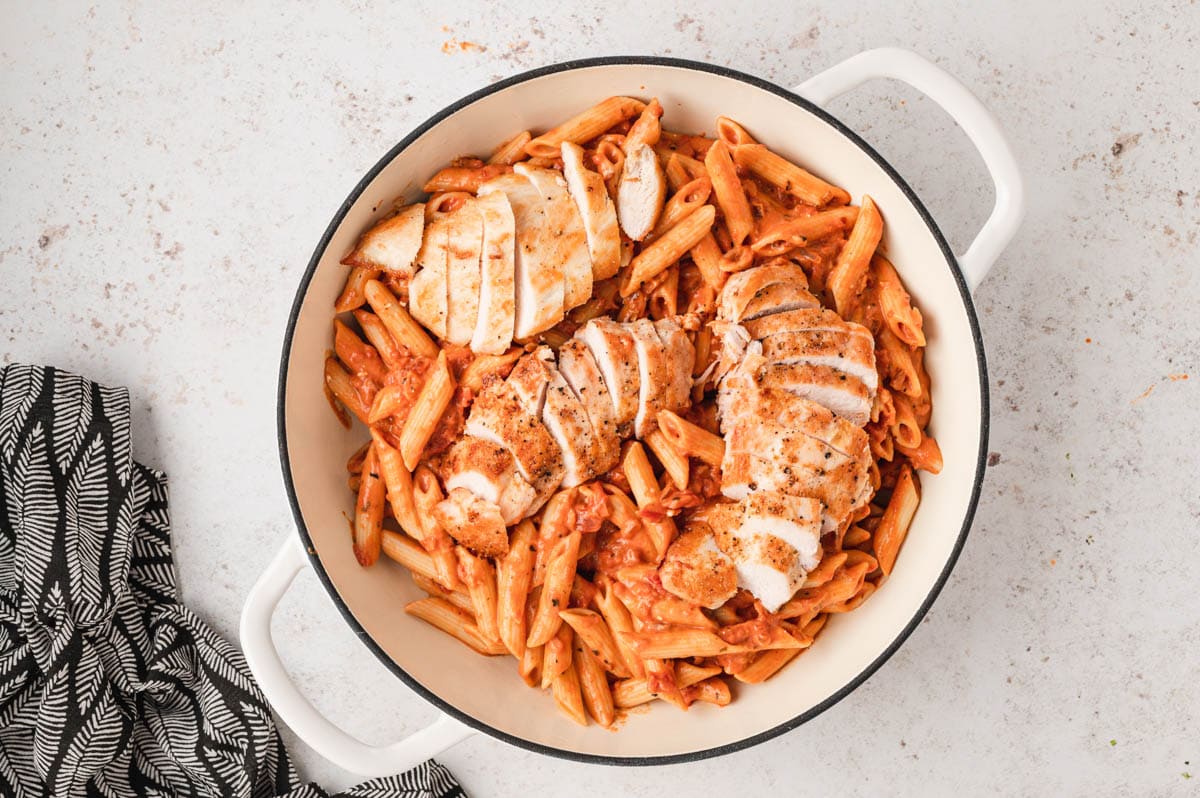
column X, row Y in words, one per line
column 359, row 356
column 788, row 177
column 567, row 695
column 664, row 251
column 450, row 619
column 592, row 631
column 683, row 643
column 849, row 273
column 731, row 133
column 898, row 364
column 380, row 338
column 557, row 654
column 398, row 482
column 456, row 597
column 426, row 411
column 635, row 692
column 895, row 305
column 728, row 190
column 796, row 233
column 404, row 328
column 514, row 577
column 368, row 512
column 480, row 579
column 926, row 457
column 426, row 496
column 691, row 440
column 354, row 294
column 673, row 460
column 408, row 553
column 617, row 618
column 597, row 698
column 339, row 383
column 585, row 126
column 560, row 575
column 512, row 150
column 685, row 201
column 464, row 178
column 708, row 259
column 905, row 431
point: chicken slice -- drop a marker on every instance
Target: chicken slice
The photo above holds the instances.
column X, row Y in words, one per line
column 578, row 367
column 840, row 490
column 616, row 356
column 844, row 395
column 778, row 298
column 487, row 469
column 596, row 207
column 696, row 569
column 850, row 352
column 392, row 244
column 799, row 320
column 499, row 415
column 681, row 355
column 773, row 540
column 463, row 246
column 539, row 384
column 565, row 236
column 497, row 298
column 641, row 192
column 655, row 374
column 428, row 291
column 538, row 275
column 473, row 522
column 748, row 288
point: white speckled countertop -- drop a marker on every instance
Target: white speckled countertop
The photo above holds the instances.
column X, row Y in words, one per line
column 166, row 170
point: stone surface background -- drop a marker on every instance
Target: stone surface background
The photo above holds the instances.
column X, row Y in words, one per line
column 166, row 169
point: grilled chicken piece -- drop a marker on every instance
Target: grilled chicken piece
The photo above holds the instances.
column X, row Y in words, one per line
column 851, row 352
column 538, row 273
column 500, row 416
column 773, row 540
column 464, row 241
column 596, row 207
column 393, row 243
column 641, row 192
column 799, row 320
column 578, row 367
column 487, row 469
column 539, row 384
column 752, row 293
column 696, row 569
column 428, row 291
column 473, row 522
column 844, row 395
column 565, row 235
column 832, row 388
column 682, row 355
column 497, row 295
column 616, row 356
column 655, row 373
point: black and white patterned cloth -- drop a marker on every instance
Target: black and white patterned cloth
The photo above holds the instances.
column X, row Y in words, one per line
column 109, row 686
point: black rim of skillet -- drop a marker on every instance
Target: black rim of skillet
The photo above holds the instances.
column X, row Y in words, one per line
column 853, row 683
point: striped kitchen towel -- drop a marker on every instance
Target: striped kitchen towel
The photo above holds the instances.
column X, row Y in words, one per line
column 109, row 686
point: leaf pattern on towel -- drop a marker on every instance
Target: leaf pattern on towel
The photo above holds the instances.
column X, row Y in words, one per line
column 108, row 685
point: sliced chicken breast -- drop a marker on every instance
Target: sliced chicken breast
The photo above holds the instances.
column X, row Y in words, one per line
column 464, row 242
column 615, row 352
column 773, row 540
column 565, row 237
column 596, row 207
column 747, row 287
column 538, row 274
column 681, row 355
column 487, row 469
column 499, row 415
column 696, row 569
column 393, row 243
column 832, row 388
column 778, row 298
column 850, row 352
column 493, row 331
column 641, row 192
column 800, row 319
column 536, row 378
column 428, row 292
column 473, row 522
column 655, row 374
column 839, row 491
column 578, row 367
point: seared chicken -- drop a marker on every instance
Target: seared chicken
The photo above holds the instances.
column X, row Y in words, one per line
column 641, row 192
column 565, row 237
column 596, row 207
column 392, row 244
column 487, row 469
column 464, row 241
column 538, row 270
column 473, row 522
column 764, row 289
column 773, row 540
column 578, row 367
column 832, row 388
column 615, row 352
column 850, row 352
column 428, row 293
column 497, row 295
column 696, row 569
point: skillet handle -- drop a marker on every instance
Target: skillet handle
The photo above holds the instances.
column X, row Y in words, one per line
column 295, row 710
column 964, row 108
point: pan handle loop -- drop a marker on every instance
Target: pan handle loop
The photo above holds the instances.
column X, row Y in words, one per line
column 964, row 108
column 295, row 710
